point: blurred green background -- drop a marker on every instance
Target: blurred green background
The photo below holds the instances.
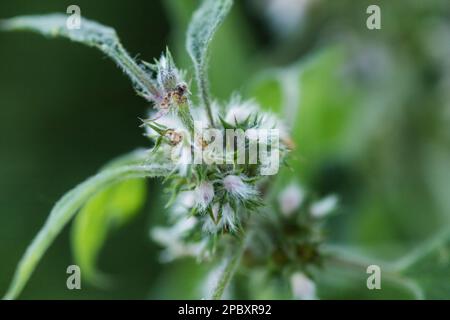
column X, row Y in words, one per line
column 374, row 119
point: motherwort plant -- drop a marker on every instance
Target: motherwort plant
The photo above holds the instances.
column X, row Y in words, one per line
column 216, row 160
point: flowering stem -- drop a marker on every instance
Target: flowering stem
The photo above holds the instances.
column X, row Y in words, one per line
column 186, row 117
column 230, row 265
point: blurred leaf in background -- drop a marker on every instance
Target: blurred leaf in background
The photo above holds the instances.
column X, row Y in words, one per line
column 369, row 112
column 109, row 209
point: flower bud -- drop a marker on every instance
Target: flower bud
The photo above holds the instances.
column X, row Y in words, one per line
column 204, row 194
column 228, row 218
column 238, row 188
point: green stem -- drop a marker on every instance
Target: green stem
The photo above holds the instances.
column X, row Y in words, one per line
column 134, row 71
column 420, row 251
column 392, row 275
column 230, row 265
column 65, row 209
column 203, row 87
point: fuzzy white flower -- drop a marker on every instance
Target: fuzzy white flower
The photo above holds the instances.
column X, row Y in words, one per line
column 238, row 188
column 169, row 120
column 228, row 218
column 172, row 239
column 181, row 155
column 184, row 202
column 209, row 226
column 303, row 288
column 204, row 194
column 239, row 111
column 324, row 206
column 290, row 199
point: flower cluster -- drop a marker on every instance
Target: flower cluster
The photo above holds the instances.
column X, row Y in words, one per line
column 288, row 242
column 212, row 199
column 216, row 195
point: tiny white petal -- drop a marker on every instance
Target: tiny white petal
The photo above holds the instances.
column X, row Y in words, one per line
column 302, row 287
column 290, row 199
column 324, row 206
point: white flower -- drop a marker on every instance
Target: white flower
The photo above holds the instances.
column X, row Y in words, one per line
column 168, row 120
column 238, row 188
column 239, row 111
column 209, row 225
column 181, row 155
column 184, row 202
column 302, row 287
column 290, row 199
column 172, row 239
column 228, row 218
column 324, row 206
column 204, row 194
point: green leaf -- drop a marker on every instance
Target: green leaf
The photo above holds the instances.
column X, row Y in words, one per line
column 91, row 34
column 429, row 264
column 339, row 282
column 204, row 24
column 418, row 274
column 68, row 206
column 110, row 208
column 223, row 77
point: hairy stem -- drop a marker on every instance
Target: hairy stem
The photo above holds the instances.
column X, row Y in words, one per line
column 135, row 72
column 230, row 265
column 422, row 250
column 361, row 263
column 204, row 94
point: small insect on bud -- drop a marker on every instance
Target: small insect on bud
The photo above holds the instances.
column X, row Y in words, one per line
column 174, row 137
column 180, row 93
column 238, row 188
column 302, row 287
column 182, row 88
column 324, row 206
column 290, row 199
column 204, row 194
